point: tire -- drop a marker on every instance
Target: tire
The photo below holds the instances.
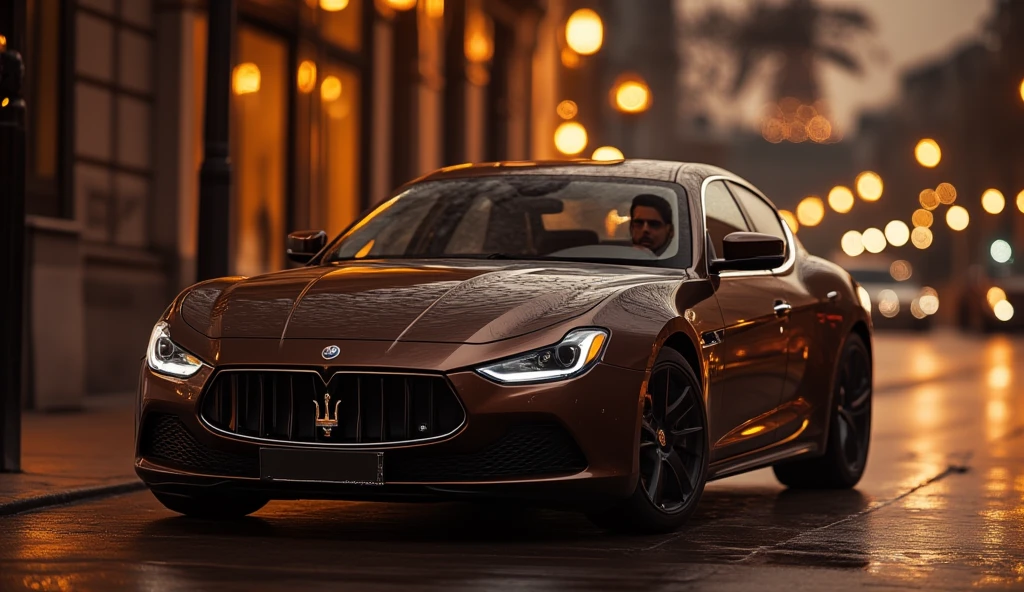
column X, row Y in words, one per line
column 211, row 507
column 674, row 461
column 849, row 434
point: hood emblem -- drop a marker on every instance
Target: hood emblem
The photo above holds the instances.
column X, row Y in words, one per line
column 330, row 352
column 326, row 422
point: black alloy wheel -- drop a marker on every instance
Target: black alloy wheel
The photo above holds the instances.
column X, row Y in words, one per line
column 845, row 457
column 673, row 451
column 671, row 439
column 853, row 413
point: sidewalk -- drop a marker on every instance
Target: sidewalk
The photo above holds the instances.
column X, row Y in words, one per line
column 73, row 455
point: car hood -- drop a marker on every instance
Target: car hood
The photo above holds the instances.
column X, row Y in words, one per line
column 451, row 303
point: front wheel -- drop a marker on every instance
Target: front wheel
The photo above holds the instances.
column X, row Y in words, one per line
column 211, row 507
column 673, row 452
column 845, row 458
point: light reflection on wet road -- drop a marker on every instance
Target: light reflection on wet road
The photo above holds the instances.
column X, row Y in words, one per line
column 941, row 507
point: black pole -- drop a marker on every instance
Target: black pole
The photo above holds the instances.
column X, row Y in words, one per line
column 12, row 224
column 215, row 174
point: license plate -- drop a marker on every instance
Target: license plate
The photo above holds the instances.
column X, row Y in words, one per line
column 322, row 466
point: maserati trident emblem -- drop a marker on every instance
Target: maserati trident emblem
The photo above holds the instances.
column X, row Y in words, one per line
column 326, row 422
column 330, row 352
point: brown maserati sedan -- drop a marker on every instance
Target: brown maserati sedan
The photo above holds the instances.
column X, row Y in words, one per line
column 606, row 336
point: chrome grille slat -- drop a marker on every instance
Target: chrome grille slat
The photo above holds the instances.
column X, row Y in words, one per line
column 237, row 402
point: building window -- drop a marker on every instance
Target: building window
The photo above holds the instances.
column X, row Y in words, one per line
column 260, row 84
column 113, row 119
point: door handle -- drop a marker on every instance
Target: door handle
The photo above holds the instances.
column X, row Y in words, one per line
column 782, row 308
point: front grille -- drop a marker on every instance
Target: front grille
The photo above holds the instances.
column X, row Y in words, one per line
column 165, row 440
column 287, row 406
column 531, row 450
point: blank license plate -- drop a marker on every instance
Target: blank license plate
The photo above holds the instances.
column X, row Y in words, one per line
column 324, row 466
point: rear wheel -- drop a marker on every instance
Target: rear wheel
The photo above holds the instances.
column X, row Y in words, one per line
column 211, row 507
column 673, row 452
column 843, row 463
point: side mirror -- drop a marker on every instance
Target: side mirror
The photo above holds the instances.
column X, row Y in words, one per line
column 750, row 251
column 304, row 244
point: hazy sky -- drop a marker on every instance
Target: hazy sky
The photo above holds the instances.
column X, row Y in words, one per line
column 908, row 33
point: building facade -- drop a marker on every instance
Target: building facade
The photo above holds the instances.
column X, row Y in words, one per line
column 334, row 104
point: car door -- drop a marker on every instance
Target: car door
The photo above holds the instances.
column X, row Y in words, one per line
column 751, row 356
column 798, row 321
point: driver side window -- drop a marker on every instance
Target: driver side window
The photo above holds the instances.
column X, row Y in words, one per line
column 723, row 215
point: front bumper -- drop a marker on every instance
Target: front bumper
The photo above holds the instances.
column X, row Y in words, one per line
column 596, row 414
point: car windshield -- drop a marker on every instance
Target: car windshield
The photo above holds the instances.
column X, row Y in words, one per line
column 526, row 217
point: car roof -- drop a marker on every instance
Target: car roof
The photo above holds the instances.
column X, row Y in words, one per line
column 658, row 170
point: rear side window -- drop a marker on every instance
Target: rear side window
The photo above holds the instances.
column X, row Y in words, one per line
column 762, row 214
column 722, row 214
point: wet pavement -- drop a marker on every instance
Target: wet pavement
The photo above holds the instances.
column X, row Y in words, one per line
column 941, row 507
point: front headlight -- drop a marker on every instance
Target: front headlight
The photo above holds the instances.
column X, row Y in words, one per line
column 166, row 357
column 574, row 355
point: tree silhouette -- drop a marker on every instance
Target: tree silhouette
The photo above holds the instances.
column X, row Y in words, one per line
column 799, row 33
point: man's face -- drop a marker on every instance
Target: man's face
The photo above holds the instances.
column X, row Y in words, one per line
column 648, row 228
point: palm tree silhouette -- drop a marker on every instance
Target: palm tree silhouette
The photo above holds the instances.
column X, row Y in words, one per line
column 800, row 33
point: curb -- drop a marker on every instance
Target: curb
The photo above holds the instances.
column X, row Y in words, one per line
column 68, row 496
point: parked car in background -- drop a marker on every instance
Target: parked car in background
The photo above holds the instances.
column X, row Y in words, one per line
column 993, row 294
column 898, row 300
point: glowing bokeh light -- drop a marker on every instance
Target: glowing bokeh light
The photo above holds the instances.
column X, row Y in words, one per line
column 928, row 153
column 1003, row 310
column 946, row 192
column 567, row 109
column 897, row 233
column 570, row 59
column 915, row 309
column 929, row 199
column 869, row 186
column 790, row 219
column 874, row 240
column 852, row 243
column 1000, row 251
column 929, row 303
column 810, row 211
column 957, row 218
column 992, row 201
column 333, row 5
column 606, row 153
column 888, row 303
column 584, row 31
column 922, row 218
column 995, row 295
column 246, row 79
column 840, row 199
column 330, row 89
column 632, row 96
column 306, row 78
column 570, row 138
column 401, row 5
column 901, row 270
column 921, row 237
column 1020, row 201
